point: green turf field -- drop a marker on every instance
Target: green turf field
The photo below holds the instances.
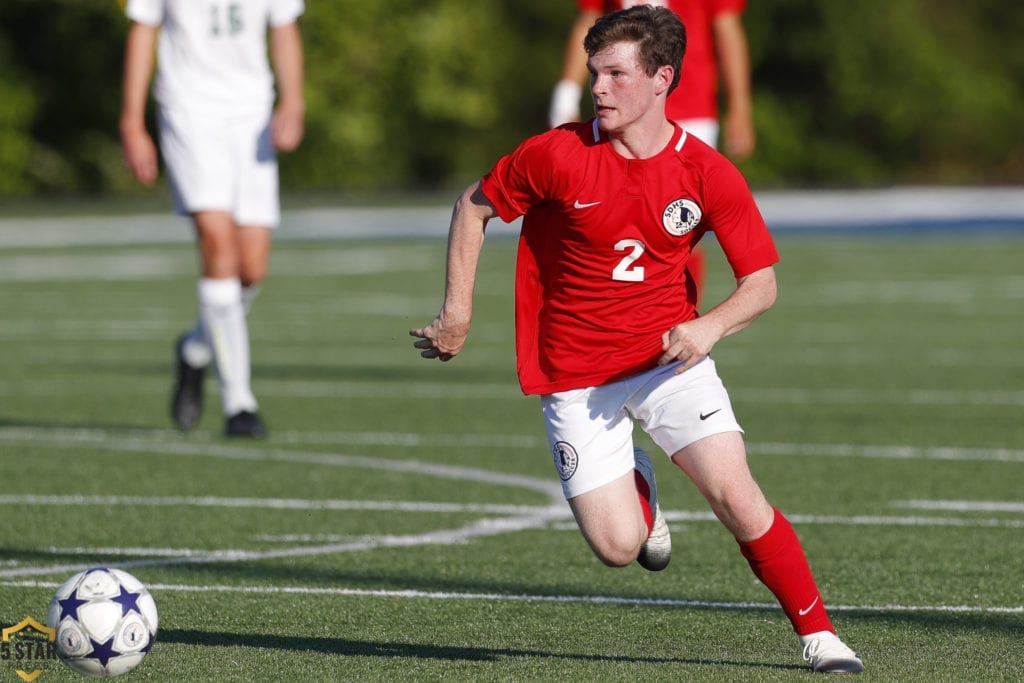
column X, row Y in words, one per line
column 403, row 521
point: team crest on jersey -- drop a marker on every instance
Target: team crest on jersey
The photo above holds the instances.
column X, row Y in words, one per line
column 566, row 459
column 681, row 216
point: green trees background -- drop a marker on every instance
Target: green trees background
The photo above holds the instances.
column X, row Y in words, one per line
column 423, row 95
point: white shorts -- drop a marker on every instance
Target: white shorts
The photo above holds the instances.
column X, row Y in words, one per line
column 705, row 129
column 219, row 162
column 590, row 430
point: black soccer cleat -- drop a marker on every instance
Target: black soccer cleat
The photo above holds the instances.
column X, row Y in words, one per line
column 187, row 399
column 245, row 424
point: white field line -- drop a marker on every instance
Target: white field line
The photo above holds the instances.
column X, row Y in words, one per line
column 511, row 597
column 794, row 396
column 926, row 397
column 210, row 444
column 961, row 505
column 840, row 520
column 446, row 537
column 143, row 442
column 553, row 513
column 159, row 264
column 533, row 518
column 155, row 443
column 840, row 450
column 285, row 504
column 509, row 391
column 523, row 518
column 682, row 516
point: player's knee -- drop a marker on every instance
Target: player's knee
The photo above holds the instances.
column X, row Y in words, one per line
column 617, row 560
column 616, row 552
column 252, row 271
column 250, row 280
column 219, row 258
column 746, row 516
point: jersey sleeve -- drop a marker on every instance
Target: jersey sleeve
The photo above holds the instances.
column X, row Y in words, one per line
column 520, row 180
column 737, row 223
column 286, row 11
column 148, row 12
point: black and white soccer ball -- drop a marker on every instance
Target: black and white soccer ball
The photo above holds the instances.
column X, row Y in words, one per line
column 106, row 622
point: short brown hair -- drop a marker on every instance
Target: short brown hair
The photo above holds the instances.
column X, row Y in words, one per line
column 658, row 33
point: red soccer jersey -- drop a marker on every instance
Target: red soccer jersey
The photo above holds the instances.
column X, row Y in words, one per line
column 696, row 96
column 601, row 270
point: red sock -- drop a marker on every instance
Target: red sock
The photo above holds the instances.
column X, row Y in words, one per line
column 778, row 560
column 644, row 492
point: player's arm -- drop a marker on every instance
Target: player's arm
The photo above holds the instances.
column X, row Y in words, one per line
column 691, row 341
column 139, row 151
column 288, row 127
column 565, row 98
column 444, row 337
column 734, row 66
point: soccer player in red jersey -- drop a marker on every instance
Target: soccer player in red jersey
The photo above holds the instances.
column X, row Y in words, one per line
column 607, row 331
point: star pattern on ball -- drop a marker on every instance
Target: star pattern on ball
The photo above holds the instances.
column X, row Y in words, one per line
column 129, row 601
column 103, row 652
column 69, row 606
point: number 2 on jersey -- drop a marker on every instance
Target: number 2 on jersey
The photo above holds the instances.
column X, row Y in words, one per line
column 625, row 271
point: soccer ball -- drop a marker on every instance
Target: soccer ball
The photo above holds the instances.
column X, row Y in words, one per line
column 105, row 620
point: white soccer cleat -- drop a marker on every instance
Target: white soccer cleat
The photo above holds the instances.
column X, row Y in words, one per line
column 656, row 551
column 827, row 654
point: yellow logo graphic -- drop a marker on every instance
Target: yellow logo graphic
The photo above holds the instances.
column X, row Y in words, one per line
column 28, row 642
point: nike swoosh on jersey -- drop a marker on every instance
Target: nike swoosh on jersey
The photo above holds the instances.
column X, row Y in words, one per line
column 580, row 205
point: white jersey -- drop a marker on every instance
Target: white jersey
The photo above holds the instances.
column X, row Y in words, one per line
column 212, row 55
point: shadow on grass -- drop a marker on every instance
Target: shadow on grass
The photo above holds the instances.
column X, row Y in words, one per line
column 968, row 622
column 343, row 646
column 262, row 573
column 408, row 367
column 951, row 621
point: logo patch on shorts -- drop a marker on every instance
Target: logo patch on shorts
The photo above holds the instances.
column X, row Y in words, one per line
column 681, row 216
column 566, row 459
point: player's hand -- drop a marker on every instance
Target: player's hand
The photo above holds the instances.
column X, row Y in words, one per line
column 441, row 339
column 140, row 155
column 287, row 128
column 688, row 343
column 739, row 136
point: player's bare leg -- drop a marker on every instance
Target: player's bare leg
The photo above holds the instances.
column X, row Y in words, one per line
column 253, row 254
column 622, row 521
column 223, row 249
column 612, row 521
column 718, row 466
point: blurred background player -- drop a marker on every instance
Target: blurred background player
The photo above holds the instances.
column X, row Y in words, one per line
column 219, row 131
column 716, row 49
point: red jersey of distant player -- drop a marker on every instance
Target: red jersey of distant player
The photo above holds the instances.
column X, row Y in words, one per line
column 696, row 96
column 601, row 270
